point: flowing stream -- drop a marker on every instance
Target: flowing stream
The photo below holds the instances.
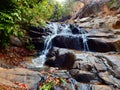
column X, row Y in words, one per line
column 59, row 30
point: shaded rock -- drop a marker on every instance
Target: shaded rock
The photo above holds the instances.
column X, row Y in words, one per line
column 83, row 76
column 68, row 42
column 16, row 41
column 117, row 45
column 65, row 61
column 34, row 34
column 116, row 25
column 77, row 30
column 100, row 46
column 20, row 75
column 76, row 42
column 37, row 29
column 38, row 43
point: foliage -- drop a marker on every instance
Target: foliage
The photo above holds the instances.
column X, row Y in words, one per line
column 110, row 3
column 8, row 26
column 47, row 86
column 16, row 15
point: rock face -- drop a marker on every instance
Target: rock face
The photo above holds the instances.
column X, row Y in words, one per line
column 36, row 34
column 13, row 77
column 96, row 69
column 94, row 44
column 90, row 70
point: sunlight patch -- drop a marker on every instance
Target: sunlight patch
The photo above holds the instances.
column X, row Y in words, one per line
column 60, row 1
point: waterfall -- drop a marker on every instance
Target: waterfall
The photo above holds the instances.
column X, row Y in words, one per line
column 58, row 30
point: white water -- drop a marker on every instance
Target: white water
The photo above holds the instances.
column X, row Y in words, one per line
column 84, row 37
column 57, row 29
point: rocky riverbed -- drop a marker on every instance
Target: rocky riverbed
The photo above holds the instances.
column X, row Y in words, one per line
column 73, row 61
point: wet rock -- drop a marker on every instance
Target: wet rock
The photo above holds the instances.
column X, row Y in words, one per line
column 65, row 61
column 68, row 42
column 73, row 42
column 20, row 75
column 99, row 45
column 83, row 76
column 77, row 30
column 38, row 43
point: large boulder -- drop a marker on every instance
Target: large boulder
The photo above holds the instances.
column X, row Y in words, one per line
column 77, row 42
column 13, row 78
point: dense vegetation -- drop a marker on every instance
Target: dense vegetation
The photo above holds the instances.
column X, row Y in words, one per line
column 16, row 15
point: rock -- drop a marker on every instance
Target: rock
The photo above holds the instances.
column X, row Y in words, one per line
column 65, row 61
column 117, row 72
column 83, row 76
column 85, row 66
column 86, row 25
column 88, row 10
column 7, row 83
column 117, row 45
column 61, row 74
column 85, row 19
column 36, row 29
column 38, row 43
column 77, row 30
column 57, row 87
column 20, row 75
column 101, row 87
column 109, row 79
column 68, row 42
column 100, row 66
column 61, row 87
column 98, row 45
column 82, row 86
column 16, row 41
column 116, row 25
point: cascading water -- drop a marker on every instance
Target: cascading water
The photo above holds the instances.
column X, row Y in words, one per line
column 59, row 30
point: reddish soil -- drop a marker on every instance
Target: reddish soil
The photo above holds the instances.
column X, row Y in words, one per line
column 14, row 56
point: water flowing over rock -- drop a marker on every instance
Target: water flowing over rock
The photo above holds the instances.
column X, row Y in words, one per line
column 92, row 68
column 73, row 37
column 90, row 57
